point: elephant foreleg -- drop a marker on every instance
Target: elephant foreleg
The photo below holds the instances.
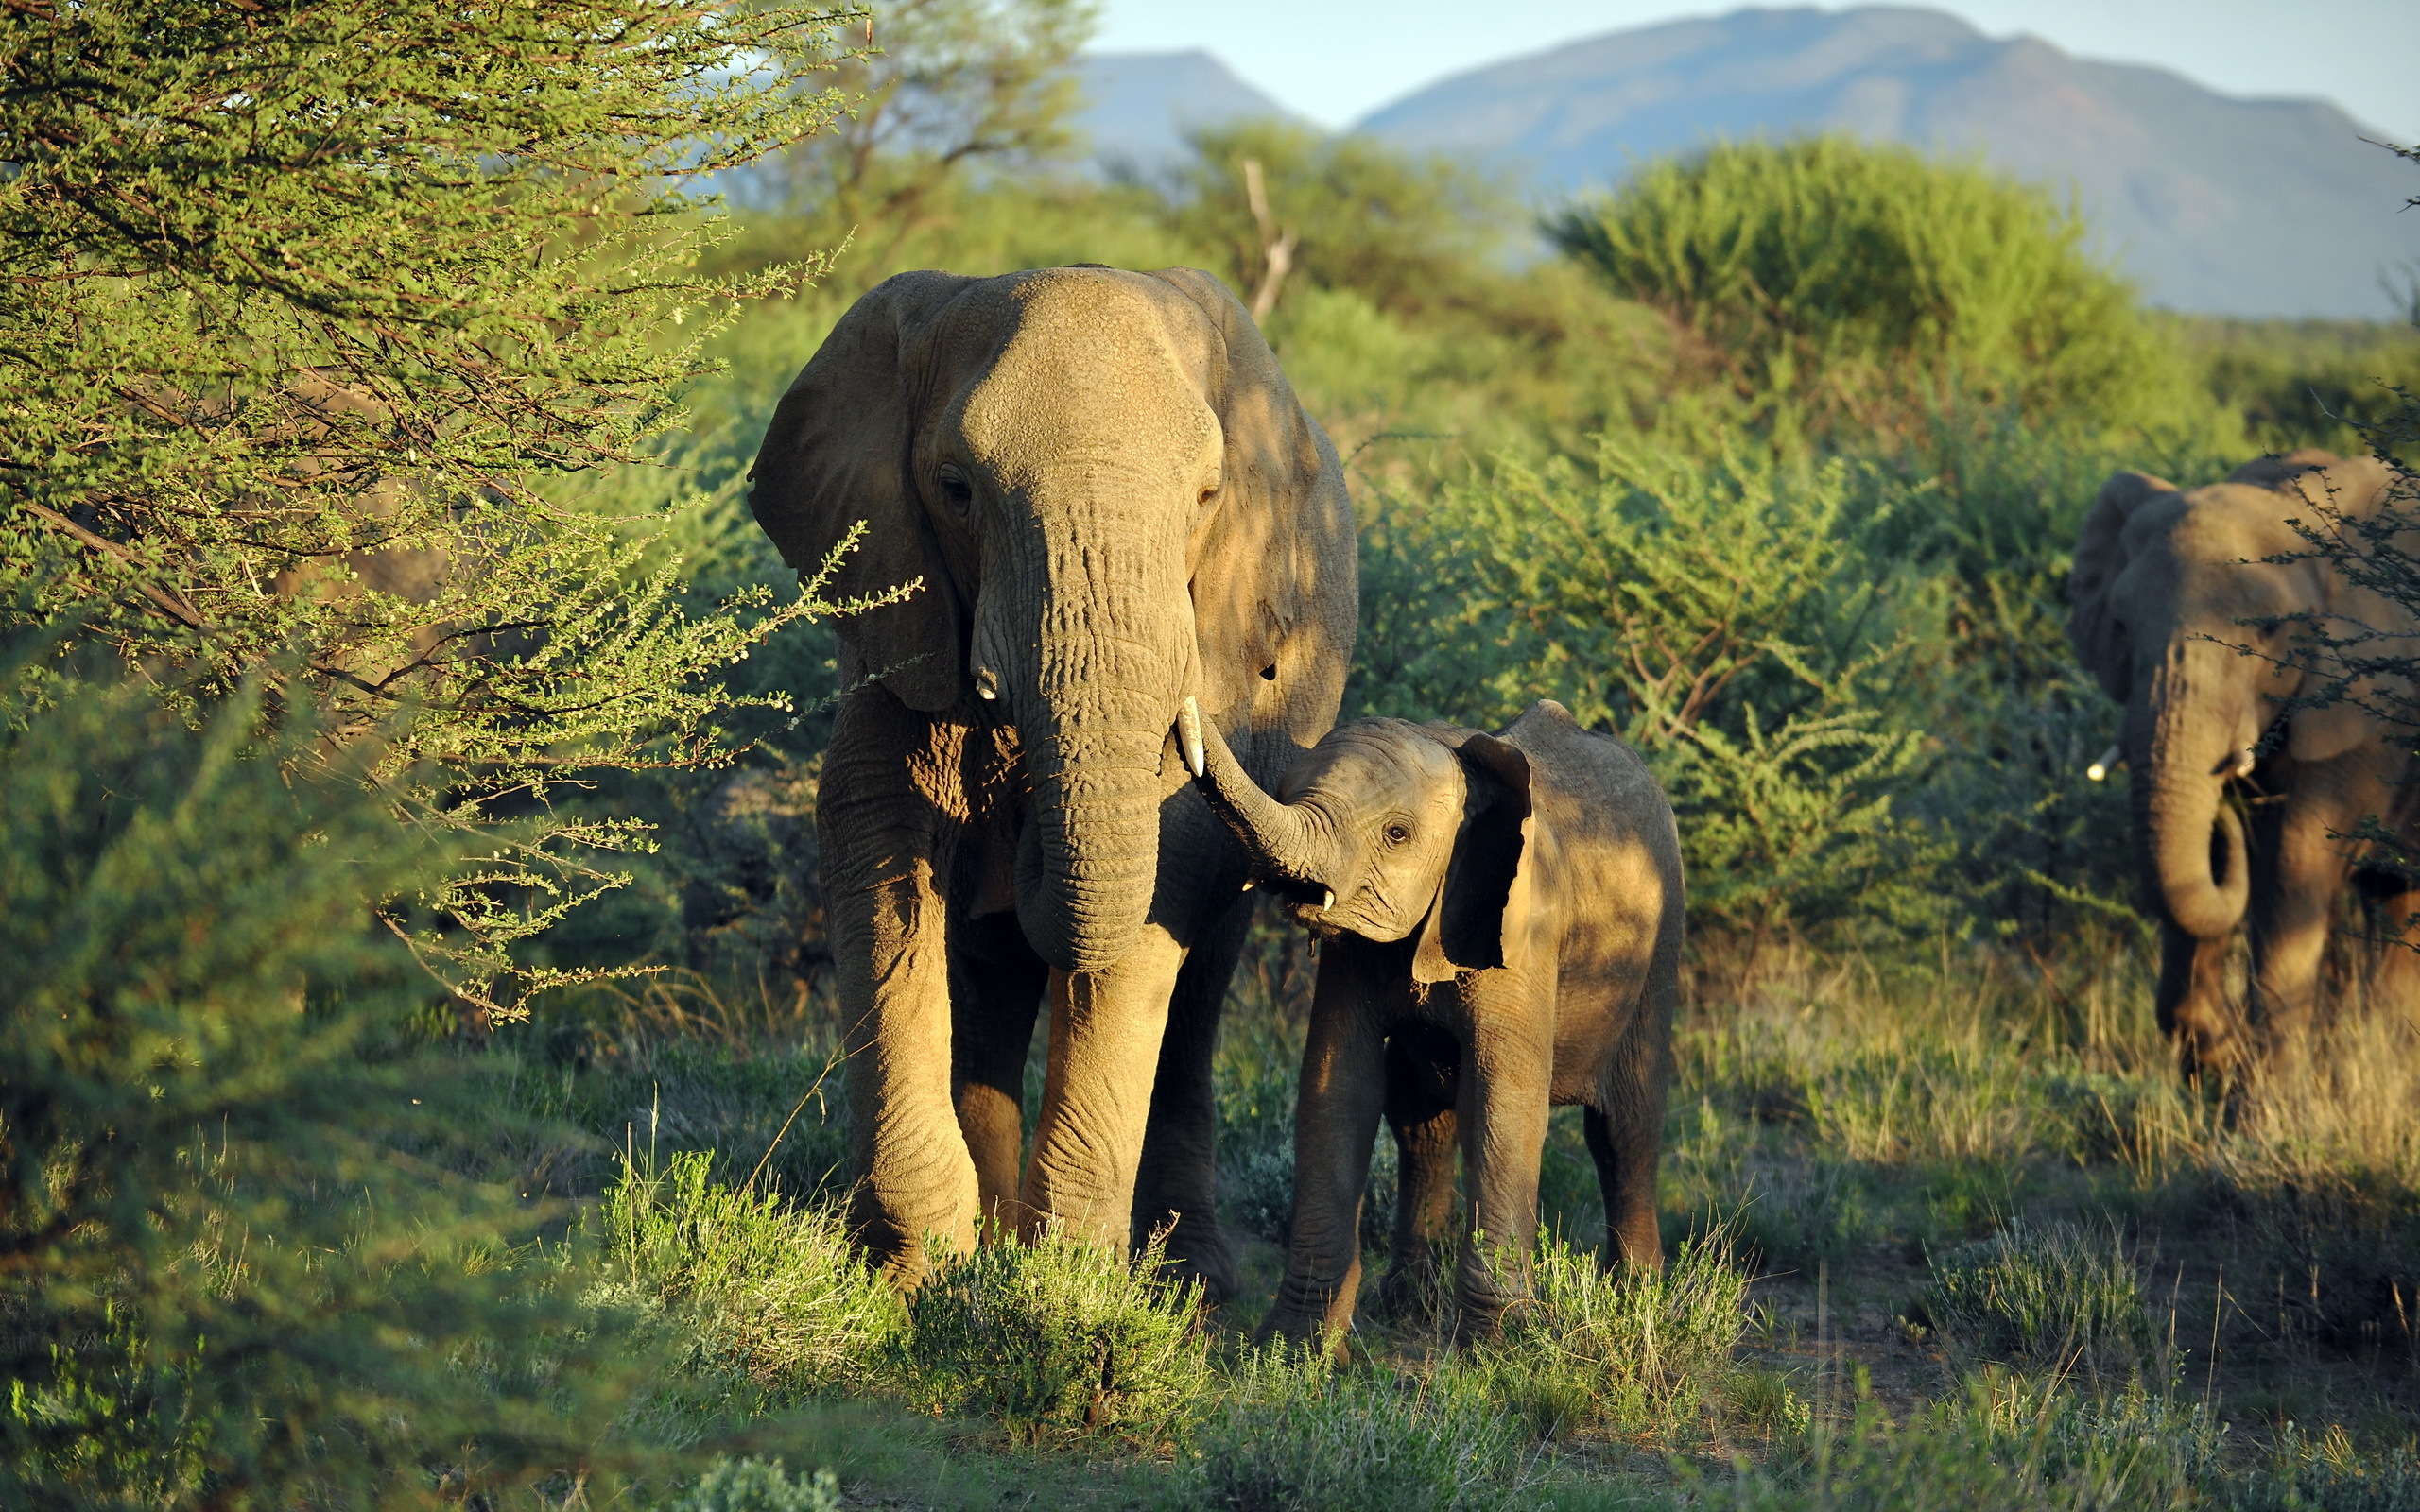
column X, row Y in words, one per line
column 995, row 993
column 1423, row 1075
column 1336, row 1122
column 2192, row 999
column 886, row 839
column 1508, row 1077
column 1105, row 1033
column 1625, row 1129
column 1176, row 1187
column 2294, row 915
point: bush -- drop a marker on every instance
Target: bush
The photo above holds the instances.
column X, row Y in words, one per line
column 1637, row 1353
column 758, row 1486
column 1868, row 283
column 2060, row 1296
column 1055, row 1338
column 246, row 1266
column 1725, row 619
column 775, row 1294
column 1292, row 1438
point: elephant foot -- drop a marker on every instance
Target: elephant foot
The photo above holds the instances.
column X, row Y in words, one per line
column 1198, row 1251
column 1412, row 1294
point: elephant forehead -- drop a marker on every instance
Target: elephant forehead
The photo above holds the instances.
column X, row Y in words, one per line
column 1087, row 371
column 1369, row 762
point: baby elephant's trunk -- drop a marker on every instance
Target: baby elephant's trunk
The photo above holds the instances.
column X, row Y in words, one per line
column 1285, row 841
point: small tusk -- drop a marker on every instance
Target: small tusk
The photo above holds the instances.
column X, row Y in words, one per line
column 1189, row 732
column 1247, row 884
column 1327, row 900
column 987, row 685
column 2244, row 764
column 987, row 695
column 2100, row 770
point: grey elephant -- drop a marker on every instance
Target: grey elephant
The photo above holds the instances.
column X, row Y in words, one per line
column 1501, row 922
column 1109, row 500
column 2179, row 610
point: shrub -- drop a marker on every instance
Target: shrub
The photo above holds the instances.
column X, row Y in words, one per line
column 309, row 321
column 763, row 1290
column 1292, row 1438
column 1866, row 282
column 244, row 1265
column 2057, row 1295
column 1636, row 1351
column 758, row 1486
column 1724, row 618
column 1055, row 1337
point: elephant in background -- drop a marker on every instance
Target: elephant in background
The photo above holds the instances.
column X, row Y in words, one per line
column 1111, row 502
column 2178, row 613
column 1502, row 927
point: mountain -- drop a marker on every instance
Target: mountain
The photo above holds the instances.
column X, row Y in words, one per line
column 1138, row 104
column 2216, row 205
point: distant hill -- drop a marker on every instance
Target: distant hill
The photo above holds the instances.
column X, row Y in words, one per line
column 1138, row 104
column 2216, row 205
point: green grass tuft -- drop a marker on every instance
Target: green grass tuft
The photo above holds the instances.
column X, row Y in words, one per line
column 1632, row 1351
column 758, row 1486
column 1056, row 1338
column 764, row 1290
column 2059, row 1295
column 1293, row 1438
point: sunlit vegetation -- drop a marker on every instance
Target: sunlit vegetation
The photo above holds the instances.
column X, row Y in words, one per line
column 343, row 1161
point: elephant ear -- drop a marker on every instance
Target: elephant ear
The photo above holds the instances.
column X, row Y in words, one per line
column 1481, row 915
column 2093, row 626
column 836, row 456
column 1277, row 545
column 2276, row 471
column 2356, row 489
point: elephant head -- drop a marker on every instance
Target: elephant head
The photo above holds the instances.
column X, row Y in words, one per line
column 2182, row 609
column 1088, row 476
column 1387, row 826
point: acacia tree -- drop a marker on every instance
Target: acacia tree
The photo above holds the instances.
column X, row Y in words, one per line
column 308, row 313
column 943, row 87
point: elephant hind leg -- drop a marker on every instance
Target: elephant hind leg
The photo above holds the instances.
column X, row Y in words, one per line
column 1176, row 1187
column 1423, row 1071
column 997, row 982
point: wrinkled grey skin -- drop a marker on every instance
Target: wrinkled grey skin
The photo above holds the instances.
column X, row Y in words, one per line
column 2238, row 792
column 1112, row 501
column 1504, row 936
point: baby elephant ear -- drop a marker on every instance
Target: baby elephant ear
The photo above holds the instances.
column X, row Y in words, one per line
column 1481, row 913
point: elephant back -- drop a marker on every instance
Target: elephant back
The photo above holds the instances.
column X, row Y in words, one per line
column 2094, row 628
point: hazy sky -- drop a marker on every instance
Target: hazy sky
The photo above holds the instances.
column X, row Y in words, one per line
column 1335, row 60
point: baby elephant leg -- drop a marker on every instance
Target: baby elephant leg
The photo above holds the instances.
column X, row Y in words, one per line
column 1507, row 1077
column 1422, row 1064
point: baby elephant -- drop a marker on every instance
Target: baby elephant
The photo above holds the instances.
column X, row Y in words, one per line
column 1502, row 933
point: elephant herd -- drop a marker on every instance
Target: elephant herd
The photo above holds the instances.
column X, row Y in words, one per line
column 1102, row 573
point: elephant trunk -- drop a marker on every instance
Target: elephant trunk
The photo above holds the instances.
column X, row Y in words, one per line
column 1094, row 679
column 2192, row 843
column 1288, row 841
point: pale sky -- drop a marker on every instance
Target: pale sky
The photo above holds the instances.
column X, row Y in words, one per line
column 1333, row 60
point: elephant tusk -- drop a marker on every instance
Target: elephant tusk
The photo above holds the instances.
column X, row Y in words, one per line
column 987, row 685
column 1247, row 884
column 1188, row 733
column 2243, row 762
column 2110, row 761
column 1327, row 899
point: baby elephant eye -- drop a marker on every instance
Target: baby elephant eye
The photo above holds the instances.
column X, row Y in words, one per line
column 1398, row 834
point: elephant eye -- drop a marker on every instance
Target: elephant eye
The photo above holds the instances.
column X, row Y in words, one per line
column 955, row 487
column 1398, row 834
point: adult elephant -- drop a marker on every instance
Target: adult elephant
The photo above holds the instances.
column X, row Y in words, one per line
column 1110, row 500
column 2182, row 609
